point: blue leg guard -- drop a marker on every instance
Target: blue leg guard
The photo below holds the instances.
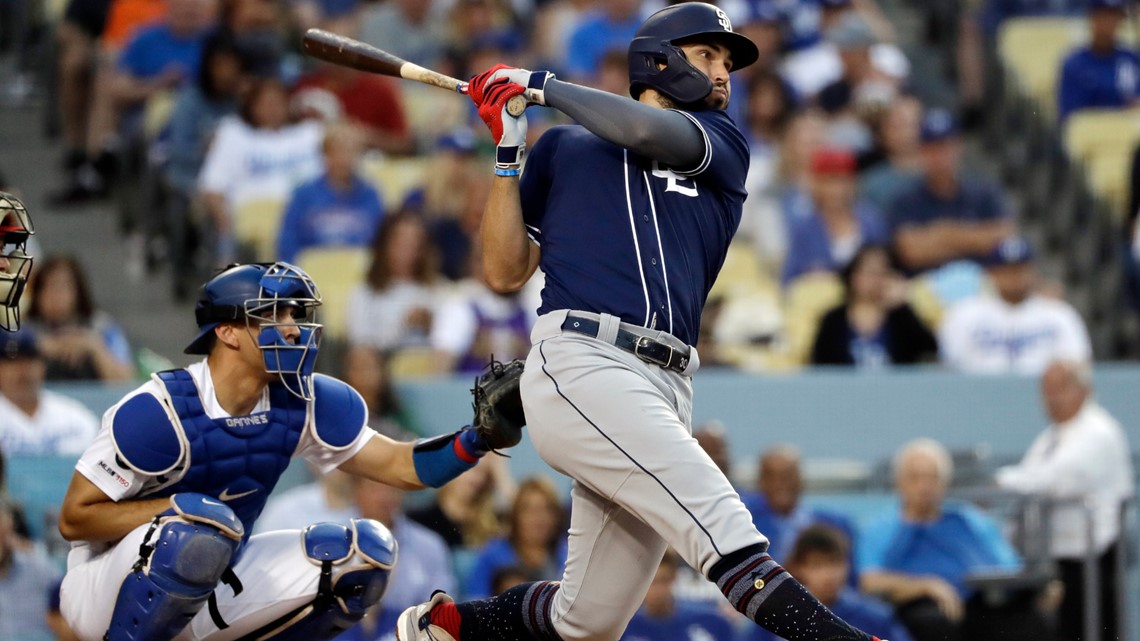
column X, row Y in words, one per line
column 356, row 563
column 184, row 555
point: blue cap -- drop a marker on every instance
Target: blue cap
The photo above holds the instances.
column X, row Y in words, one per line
column 1014, row 250
column 21, row 344
column 1114, row 5
column 938, row 124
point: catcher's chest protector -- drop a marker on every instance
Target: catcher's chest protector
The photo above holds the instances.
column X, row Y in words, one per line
column 237, row 459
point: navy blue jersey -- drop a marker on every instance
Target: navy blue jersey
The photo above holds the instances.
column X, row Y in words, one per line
column 1091, row 80
column 623, row 235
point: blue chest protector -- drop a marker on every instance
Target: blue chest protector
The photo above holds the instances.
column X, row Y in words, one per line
column 235, row 459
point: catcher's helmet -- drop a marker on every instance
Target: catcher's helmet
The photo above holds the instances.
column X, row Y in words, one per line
column 255, row 292
column 15, row 263
column 656, row 41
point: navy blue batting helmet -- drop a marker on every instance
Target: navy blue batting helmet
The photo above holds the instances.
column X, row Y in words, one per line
column 655, row 44
column 254, row 293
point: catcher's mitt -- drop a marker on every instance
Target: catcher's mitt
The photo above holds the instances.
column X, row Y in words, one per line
column 498, row 406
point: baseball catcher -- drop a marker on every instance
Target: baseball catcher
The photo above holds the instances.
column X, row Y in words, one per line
column 161, row 505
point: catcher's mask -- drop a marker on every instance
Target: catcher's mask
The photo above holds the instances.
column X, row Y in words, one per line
column 15, row 263
column 260, row 294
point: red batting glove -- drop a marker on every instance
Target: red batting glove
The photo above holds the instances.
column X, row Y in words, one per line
column 477, row 87
column 508, row 132
column 534, row 81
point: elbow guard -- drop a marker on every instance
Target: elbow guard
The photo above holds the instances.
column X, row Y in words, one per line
column 441, row 458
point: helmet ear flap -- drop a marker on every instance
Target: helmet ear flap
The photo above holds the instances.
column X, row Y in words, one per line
column 663, row 66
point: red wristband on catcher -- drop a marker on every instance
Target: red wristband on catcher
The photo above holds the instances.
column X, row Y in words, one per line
column 469, row 447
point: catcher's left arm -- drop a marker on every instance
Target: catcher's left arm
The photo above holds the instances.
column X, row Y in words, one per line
column 432, row 462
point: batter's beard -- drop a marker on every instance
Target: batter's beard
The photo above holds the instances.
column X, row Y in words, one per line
column 710, row 101
column 713, row 101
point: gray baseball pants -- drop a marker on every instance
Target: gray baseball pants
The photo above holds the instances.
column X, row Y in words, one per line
column 622, row 430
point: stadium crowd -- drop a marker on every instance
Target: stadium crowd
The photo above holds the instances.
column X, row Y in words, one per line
column 868, row 240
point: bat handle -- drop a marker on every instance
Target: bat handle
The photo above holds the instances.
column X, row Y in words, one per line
column 515, row 106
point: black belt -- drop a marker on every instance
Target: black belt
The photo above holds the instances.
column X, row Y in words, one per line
column 647, row 349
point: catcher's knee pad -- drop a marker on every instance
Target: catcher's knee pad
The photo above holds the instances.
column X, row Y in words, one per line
column 183, row 557
column 356, row 562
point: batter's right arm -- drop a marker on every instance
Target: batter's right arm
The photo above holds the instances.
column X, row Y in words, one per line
column 88, row 514
column 509, row 256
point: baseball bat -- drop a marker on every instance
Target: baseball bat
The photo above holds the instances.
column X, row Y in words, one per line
column 347, row 52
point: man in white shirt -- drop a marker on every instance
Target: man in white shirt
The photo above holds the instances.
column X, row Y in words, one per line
column 1083, row 459
column 33, row 421
column 476, row 324
column 1013, row 329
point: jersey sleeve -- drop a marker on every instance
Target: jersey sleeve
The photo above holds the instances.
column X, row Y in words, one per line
column 534, row 186
column 339, row 425
column 726, row 151
column 101, row 463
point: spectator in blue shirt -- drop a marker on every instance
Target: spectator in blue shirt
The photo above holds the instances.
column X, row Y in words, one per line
column 777, row 510
column 1102, row 74
column 535, row 539
column 664, row 618
column 920, row 556
column 946, row 214
column 838, row 226
column 611, row 26
column 819, row 559
column 335, row 209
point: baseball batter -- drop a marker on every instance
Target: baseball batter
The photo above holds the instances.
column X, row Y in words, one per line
column 15, row 263
column 630, row 216
column 161, row 504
